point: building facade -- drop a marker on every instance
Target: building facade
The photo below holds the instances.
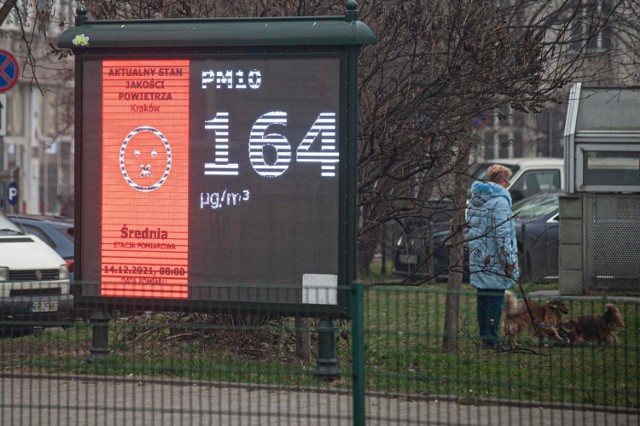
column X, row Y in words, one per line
column 37, row 148
column 605, row 33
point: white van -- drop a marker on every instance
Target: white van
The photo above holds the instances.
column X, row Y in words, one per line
column 530, row 175
column 34, row 280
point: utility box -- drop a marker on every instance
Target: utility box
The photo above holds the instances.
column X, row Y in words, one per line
column 599, row 215
column 602, row 140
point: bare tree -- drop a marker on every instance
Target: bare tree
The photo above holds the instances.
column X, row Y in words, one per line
column 6, row 8
column 436, row 65
column 434, row 69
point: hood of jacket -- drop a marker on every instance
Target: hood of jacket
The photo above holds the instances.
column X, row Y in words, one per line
column 482, row 192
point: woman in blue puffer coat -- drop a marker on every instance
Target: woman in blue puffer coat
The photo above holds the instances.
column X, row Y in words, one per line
column 493, row 251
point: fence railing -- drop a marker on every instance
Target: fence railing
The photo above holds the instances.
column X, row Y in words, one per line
column 246, row 368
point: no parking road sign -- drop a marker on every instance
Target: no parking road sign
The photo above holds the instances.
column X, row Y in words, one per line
column 8, row 71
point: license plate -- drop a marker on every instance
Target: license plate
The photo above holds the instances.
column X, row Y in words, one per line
column 410, row 259
column 44, row 306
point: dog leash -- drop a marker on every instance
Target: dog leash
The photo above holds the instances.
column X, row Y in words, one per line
column 561, row 332
column 526, row 302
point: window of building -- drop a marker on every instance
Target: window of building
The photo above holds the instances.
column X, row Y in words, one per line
column 621, row 168
column 49, row 115
column 15, row 111
column 505, row 145
column 489, row 144
column 589, row 31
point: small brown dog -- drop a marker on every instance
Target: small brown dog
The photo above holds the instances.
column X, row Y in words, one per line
column 518, row 318
column 594, row 328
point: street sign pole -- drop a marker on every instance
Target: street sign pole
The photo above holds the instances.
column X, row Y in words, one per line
column 3, row 132
column 3, row 115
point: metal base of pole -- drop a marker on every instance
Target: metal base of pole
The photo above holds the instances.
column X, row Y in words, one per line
column 326, row 363
column 100, row 335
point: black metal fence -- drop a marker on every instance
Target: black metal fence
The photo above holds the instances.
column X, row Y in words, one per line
column 386, row 366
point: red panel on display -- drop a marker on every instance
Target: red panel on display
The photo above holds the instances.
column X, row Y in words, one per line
column 145, row 178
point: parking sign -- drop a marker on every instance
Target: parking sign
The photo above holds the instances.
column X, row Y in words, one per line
column 12, row 193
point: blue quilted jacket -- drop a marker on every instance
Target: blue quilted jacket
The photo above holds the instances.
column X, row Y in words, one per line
column 491, row 237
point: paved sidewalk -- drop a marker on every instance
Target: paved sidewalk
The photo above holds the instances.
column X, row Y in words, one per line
column 51, row 400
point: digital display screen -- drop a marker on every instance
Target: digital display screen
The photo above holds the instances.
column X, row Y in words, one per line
column 211, row 178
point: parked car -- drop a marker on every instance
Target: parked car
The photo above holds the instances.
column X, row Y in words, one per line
column 412, row 253
column 35, row 281
column 56, row 231
column 537, row 235
column 531, row 176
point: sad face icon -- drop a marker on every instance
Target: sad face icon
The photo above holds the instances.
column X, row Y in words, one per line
column 145, row 159
column 146, row 170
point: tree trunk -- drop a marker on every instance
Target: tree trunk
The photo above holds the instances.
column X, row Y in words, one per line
column 456, row 254
column 303, row 337
column 368, row 242
column 6, row 8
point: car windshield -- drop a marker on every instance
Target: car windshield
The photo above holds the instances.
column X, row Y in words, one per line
column 6, row 226
column 538, row 205
column 64, row 229
column 480, row 170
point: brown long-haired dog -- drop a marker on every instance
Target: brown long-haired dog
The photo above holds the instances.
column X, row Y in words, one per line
column 595, row 328
column 540, row 319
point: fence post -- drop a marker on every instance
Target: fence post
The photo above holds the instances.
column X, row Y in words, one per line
column 357, row 352
column 524, row 263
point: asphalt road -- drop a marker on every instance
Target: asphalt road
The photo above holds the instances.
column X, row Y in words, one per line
column 53, row 400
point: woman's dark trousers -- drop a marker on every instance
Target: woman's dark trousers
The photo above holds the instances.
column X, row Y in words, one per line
column 490, row 303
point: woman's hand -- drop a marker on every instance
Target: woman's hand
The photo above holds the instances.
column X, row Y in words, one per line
column 508, row 270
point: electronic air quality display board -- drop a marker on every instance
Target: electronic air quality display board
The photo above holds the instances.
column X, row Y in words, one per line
column 218, row 177
column 216, row 162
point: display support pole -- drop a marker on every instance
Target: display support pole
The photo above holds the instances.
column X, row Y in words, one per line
column 326, row 363
column 100, row 335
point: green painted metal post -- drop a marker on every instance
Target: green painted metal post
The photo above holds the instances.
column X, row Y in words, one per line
column 100, row 335
column 357, row 353
column 326, row 363
column 352, row 154
column 356, row 296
